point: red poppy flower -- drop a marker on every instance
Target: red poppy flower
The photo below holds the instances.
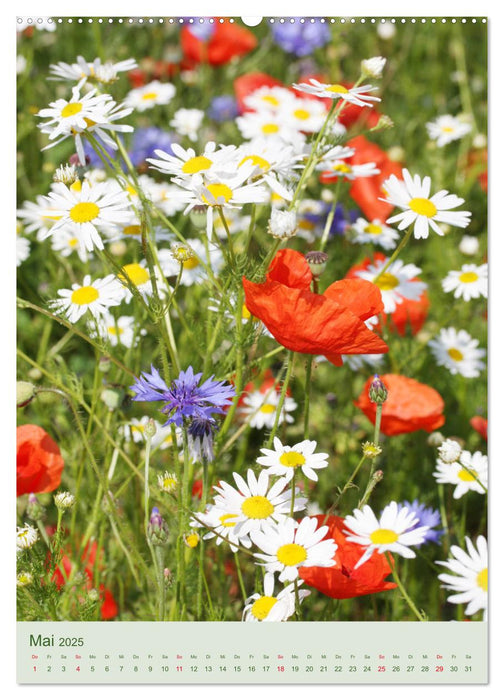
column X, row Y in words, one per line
column 410, row 315
column 39, row 461
column 410, row 406
column 366, row 191
column 330, row 324
column 228, row 41
column 247, row 84
column 197, row 488
column 342, row 580
column 480, row 424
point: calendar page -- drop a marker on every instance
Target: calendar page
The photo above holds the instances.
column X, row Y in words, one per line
column 252, row 285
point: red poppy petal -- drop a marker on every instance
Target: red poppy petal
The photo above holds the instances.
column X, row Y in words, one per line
column 363, row 298
column 291, row 269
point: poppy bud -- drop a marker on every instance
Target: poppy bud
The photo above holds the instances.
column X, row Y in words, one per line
column 316, row 260
column 377, row 391
column 25, row 392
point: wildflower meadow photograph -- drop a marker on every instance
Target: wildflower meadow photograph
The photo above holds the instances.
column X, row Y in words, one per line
column 252, row 286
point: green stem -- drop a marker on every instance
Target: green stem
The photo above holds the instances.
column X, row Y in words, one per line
column 330, row 216
column 406, row 597
column 283, row 394
column 307, row 397
column 240, row 577
column 396, row 252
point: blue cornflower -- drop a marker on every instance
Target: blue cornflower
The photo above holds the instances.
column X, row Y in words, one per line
column 184, row 398
column 426, row 517
column 201, row 437
column 301, row 39
column 146, row 141
column 223, row 108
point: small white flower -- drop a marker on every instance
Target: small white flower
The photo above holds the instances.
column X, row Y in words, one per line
column 283, row 460
column 458, row 352
column 96, row 297
column 259, row 408
column 446, row 129
column 26, row 537
column 469, row 245
column 386, row 30
column 399, row 282
column 449, row 451
column 412, row 195
column 64, row 500
column 187, row 122
column 117, row 331
column 82, row 70
column 394, row 532
column 282, row 224
column 271, row 608
column 22, row 249
column 150, row 95
column 290, row 545
column 373, row 67
column 375, row 232
column 469, row 577
column 354, row 95
column 471, row 282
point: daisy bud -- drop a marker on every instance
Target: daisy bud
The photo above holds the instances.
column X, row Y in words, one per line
column 182, row 253
column 469, row 245
column 25, row 392
column 24, row 578
column 316, row 260
column 26, row 537
column 369, row 449
column 378, row 391
column 106, row 73
column 64, row 501
column 435, row 439
column 104, row 364
column 34, row 510
column 167, row 482
column 67, row 174
column 384, row 122
column 373, row 67
column 158, row 529
column 282, row 224
column 93, row 595
column 198, row 216
column 450, row 451
column 111, row 398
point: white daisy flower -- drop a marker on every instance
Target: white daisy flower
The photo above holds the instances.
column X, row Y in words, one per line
column 82, row 70
column 458, row 352
column 150, row 95
column 290, row 545
column 304, row 115
column 354, row 95
column 468, row 473
column 184, row 163
column 221, row 525
column 373, row 67
column 187, row 122
column 135, row 431
column 393, row 532
column 283, row 460
column 469, row 577
column 374, row 232
column 270, row 125
column 90, row 113
column 117, row 331
column 256, row 504
column 36, row 217
column 274, row 161
column 25, row 537
column 336, row 166
column 270, row 608
column 22, row 249
column 471, row 282
column 419, row 208
column 259, row 408
column 270, row 98
column 66, row 241
column 469, row 245
column 96, row 297
column 195, row 269
column 138, row 275
column 446, row 129
column 396, row 284
column 87, row 209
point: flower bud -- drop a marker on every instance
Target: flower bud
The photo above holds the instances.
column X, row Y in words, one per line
column 34, row 510
column 24, row 578
column 369, row 449
column 198, row 216
column 104, row 364
column 182, row 253
column 167, row 482
column 282, row 224
column 373, row 67
column 25, row 392
column 67, row 174
column 157, row 530
column 378, row 391
column 111, row 398
column 64, row 501
column 450, row 451
column 93, row 595
column 316, row 260
column 150, row 429
column 435, row 439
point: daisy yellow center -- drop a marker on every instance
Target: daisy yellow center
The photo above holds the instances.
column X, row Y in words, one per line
column 271, row 100
column 192, row 540
column 191, row 263
column 246, row 313
column 387, row 281
column 383, row 536
column 482, row 579
column 132, row 230
column 131, row 191
column 292, row 459
column 89, row 122
column 218, row 190
column 422, row 206
column 136, row 273
column 73, row 242
column 257, row 161
column 262, row 607
column 169, row 483
column 291, row 554
column 84, row 295
column 306, row 225
column 149, row 96
column 455, row 354
column 270, row 128
column 301, row 114
column 267, row 408
column 340, row 89
column 83, row 212
column 467, row 277
column 447, row 129
column 257, row 507
column 373, row 229
column 71, row 109
column 76, row 186
column 196, row 165
column 228, row 519
column 112, row 330
column 342, row 168
column 466, row 475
